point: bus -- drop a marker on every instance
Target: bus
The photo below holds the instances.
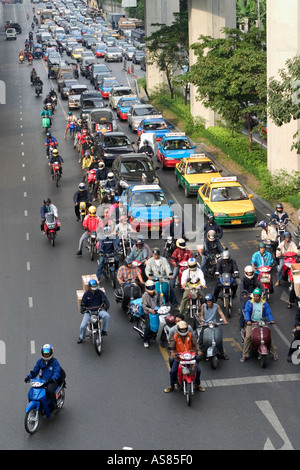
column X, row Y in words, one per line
column 137, row 37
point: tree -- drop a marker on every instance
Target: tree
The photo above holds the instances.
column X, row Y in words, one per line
column 284, row 97
column 255, row 10
column 167, row 47
column 230, row 76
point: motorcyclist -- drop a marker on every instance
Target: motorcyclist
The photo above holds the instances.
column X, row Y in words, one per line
column 211, row 246
column 82, row 195
column 211, row 224
column 50, row 142
column 107, row 248
column 91, row 223
column 151, row 300
column 114, row 212
column 256, row 309
column 147, row 149
column 192, row 274
column 268, row 235
column 47, row 368
column 38, row 81
column 279, row 215
column 249, row 282
column 183, row 341
column 261, row 258
column 181, row 253
column 48, row 102
column 86, row 162
column 139, row 239
column 111, row 182
column 175, row 229
column 53, row 94
column 46, row 208
column 128, row 274
column 157, row 266
column 139, row 253
column 211, row 312
column 287, row 245
column 226, row 265
column 55, row 157
column 123, row 229
column 93, row 299
column 71, row 118
column 33, row 75
column 21, row 53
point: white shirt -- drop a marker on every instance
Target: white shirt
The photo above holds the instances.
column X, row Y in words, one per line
column 193, row 275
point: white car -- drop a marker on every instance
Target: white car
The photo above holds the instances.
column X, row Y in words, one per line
column 11, row 33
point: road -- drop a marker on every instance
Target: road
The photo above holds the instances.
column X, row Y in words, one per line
column 117, row 399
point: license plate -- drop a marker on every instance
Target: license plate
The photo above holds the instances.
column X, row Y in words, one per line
column 236, row 222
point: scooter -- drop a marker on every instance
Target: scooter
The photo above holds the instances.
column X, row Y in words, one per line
column 211, row 342
column 21, row 59
column 265, row 278
column 226, row 281
column 195, row 298
column 38, row 90
column 46, row 123
column 162, row 286
column 260, row 341
column 51, row 227
column 187, row 374
column 39, row 404
column 56, row 176
column 289, row 258
column 135, row 294
column 183, row 265
column 160, row 322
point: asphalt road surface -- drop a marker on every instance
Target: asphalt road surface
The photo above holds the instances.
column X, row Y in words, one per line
column 117, row 399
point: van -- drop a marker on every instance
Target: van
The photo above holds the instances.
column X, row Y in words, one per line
column 11, row 33
column 45, row 37
column 64, row 73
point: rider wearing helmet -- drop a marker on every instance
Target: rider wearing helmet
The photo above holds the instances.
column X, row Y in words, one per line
column 82, row 195
column 211, row 225
column 256, row 309
column 55, row 157
column 249, row 282
column 147, row 149
column 50, row 142
column 268, row 235
column 193, row 274
column 91, row 223
column 183, row 341
column 47, row 368
column 93, row 300
column 261, row 257
column 111, row 182
column 151, row 301
column 211, row 247
column 226, row 265
column 181, row 253
column 46, row 208
column 212, row 312
column 287, row 245
column 107, row 248
column 279, row 215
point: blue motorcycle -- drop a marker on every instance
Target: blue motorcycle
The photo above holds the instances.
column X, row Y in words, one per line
column 40, row 405
column 226, row 280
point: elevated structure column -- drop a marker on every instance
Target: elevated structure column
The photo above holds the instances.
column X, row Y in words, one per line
column 283, row 42
column 208, row 17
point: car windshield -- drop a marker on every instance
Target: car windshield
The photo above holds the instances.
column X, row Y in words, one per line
column 136, row 166
column 100, row 68
column 153, row 198
column 177, row 144
column 122, row 92
column 113, row 49
column 127, row 102
column 155, row 125
column 116, row 141
column 93, row 103
column 229, row 193
column 200, row 167
column 144, row 111
column 110, row 83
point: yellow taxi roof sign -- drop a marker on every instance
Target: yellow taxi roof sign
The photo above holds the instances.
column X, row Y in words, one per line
column 224, row 179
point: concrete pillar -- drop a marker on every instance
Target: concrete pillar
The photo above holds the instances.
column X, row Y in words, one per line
column 208, row 17
column 157, row 11
column 283, row 42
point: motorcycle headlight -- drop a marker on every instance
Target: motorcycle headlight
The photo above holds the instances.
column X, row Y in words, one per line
column 94, row 318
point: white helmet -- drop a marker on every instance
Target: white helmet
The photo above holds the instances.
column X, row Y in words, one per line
column 211, row 235
column 249, row 272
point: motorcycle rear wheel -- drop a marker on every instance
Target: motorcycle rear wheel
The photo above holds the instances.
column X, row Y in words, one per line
column 32, row 421
column 263, row 361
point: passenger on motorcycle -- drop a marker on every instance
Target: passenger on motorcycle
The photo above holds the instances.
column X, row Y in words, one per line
column 127, row 275
column 82, row 195
column 107, row 248
column 124, row 229
column 91, row 223
column 47, row 368
column 38, row 81
column 211, row 225
column 157, row 266
column 256, row 310
column 71, row 118
column 192, row 274
column 284, row 247
column 50, row 141
column 226, row 265
column 92, row 299
column 261, row 257
column 248, row 283
column 47, row 208
column 183, row 341
column 55, row 157
column 33, row 75
column 211, row 312
column 151, row 300
column 181, row 253
column 211, row 246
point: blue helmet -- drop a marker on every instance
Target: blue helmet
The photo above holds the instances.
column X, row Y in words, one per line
column 93, row 284
column 208, row 298
column 262, row 224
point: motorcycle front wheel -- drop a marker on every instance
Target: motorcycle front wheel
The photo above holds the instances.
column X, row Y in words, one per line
column 113, row 279
column 32, row 421
column 214, row 362
column 52, row 238
column 98, row 343
column 188, row 393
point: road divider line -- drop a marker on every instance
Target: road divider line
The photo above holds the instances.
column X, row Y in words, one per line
column 32, row 347
column 30, row 302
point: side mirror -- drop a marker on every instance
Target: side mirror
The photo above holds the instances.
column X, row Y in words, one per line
column 171, row 202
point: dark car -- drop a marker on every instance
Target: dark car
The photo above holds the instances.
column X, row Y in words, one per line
column 86, row 65
column 90, row 100
column 111, row 144
column 65, row 87
column 98, row 69
column 137, row 57
column 134, row 168
column 143, row 63
column 17, row 27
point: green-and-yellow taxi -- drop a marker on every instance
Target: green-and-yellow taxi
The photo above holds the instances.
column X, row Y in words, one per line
column 194, row 171
column 228, row 201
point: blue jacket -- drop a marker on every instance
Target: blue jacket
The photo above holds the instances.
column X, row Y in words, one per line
column 258, row 260
column 266, row 313
column 46, row 370
column 92, row 299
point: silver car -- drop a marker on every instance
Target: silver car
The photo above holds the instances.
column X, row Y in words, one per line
column 113, row 54
column 116, row 93
column 136, row 114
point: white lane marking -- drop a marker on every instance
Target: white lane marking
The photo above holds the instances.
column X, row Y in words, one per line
column 266, row 408
column 32, row 347
column 25, row 194
column 28, row 265
column 26, row 213
column 27, row 236
column 30, row 302
column 260, row 379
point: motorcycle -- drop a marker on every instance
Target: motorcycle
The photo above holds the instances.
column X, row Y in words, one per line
column 101, row 190
column 211, row 342
column 226, row 281
column 280, row 227
column 187, row 374
column 39, row 91
column 39, row 404
column 160, row 323
column 183, row 265
column 30, row 59
column 265, row 278
column 162, row 286
column 289, row 258
column 91, row 179
column 21, row 59
column 94, row 329
column 56, row 176
column 169, row 247
column 195, row 298
column 211, row 264
column 46, row 123
column 109, row 270
column 125, row 246
column 51, row 227
column 33, row 76
column 260, row 341
column 135, row 293
column 82, row 210
column 92, row 244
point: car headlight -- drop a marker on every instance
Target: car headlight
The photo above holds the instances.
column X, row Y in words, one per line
column 249, row 212
column 108, row 155
column 220, row 214
column 192, row 185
